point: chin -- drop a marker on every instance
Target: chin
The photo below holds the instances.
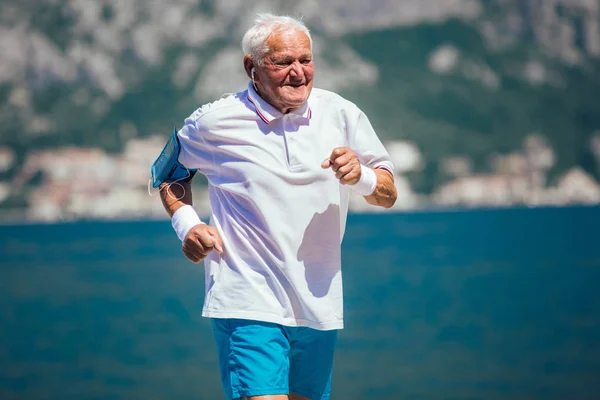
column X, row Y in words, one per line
column 298, row 97
column 294, row 98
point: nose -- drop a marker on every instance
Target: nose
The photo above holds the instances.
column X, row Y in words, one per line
column 297, row 69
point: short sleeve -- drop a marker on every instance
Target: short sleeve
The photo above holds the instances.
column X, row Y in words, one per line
column 194, row 153
column 366, row 144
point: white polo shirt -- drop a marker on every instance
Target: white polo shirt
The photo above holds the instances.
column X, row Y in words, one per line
column 281, row 216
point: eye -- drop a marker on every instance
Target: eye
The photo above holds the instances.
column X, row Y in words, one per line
column 306, row 61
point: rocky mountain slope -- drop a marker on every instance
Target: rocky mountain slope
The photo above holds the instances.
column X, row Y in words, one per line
column 466, row 80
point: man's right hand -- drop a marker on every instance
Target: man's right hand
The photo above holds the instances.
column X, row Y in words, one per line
column 200, row 241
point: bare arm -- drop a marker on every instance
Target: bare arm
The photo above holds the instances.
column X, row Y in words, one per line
column 385, row 193
column 202, row 238
column 175, row 196
column 344, row 162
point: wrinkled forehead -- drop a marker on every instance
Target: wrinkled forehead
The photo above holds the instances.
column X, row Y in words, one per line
column 288, row 42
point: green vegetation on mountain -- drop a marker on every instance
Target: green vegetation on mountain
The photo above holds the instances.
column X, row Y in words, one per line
column 482, row 105
column 453, row 115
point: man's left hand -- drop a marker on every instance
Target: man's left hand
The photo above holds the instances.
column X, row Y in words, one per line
column 344, row 162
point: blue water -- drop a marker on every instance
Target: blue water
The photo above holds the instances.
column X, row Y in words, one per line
column 486, row 304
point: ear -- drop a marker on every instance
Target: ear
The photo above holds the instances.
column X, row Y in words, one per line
column 248, row 66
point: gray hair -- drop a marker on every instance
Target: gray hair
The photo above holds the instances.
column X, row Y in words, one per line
column 254, row 42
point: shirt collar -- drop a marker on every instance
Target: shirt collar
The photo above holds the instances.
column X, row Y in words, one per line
column 268, row 113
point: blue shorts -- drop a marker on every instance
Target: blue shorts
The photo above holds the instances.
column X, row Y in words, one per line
column 260, row 358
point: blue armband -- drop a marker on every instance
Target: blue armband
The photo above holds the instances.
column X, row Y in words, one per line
column 167, row 168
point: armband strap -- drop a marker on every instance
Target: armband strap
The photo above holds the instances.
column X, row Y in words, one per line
column 184, row 219
column 167, row 168
column 368, row 181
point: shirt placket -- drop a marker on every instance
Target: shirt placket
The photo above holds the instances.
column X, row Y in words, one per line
column 290, row 138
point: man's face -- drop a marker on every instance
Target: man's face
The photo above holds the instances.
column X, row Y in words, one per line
column 286, row 79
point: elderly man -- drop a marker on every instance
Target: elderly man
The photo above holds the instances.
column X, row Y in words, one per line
column 280, row 159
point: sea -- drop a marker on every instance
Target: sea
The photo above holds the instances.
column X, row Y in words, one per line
column 455, row 304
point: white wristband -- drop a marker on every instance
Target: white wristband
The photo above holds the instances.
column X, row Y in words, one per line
column 184, row 219
column 368, row 181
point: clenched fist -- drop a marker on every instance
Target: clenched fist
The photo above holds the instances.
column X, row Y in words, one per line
column 200, row 241
column 344, row 162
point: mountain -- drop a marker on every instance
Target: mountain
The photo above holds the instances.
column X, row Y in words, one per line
column 470, row 80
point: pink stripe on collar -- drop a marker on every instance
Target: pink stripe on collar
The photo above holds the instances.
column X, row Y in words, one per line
column 265, row 119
